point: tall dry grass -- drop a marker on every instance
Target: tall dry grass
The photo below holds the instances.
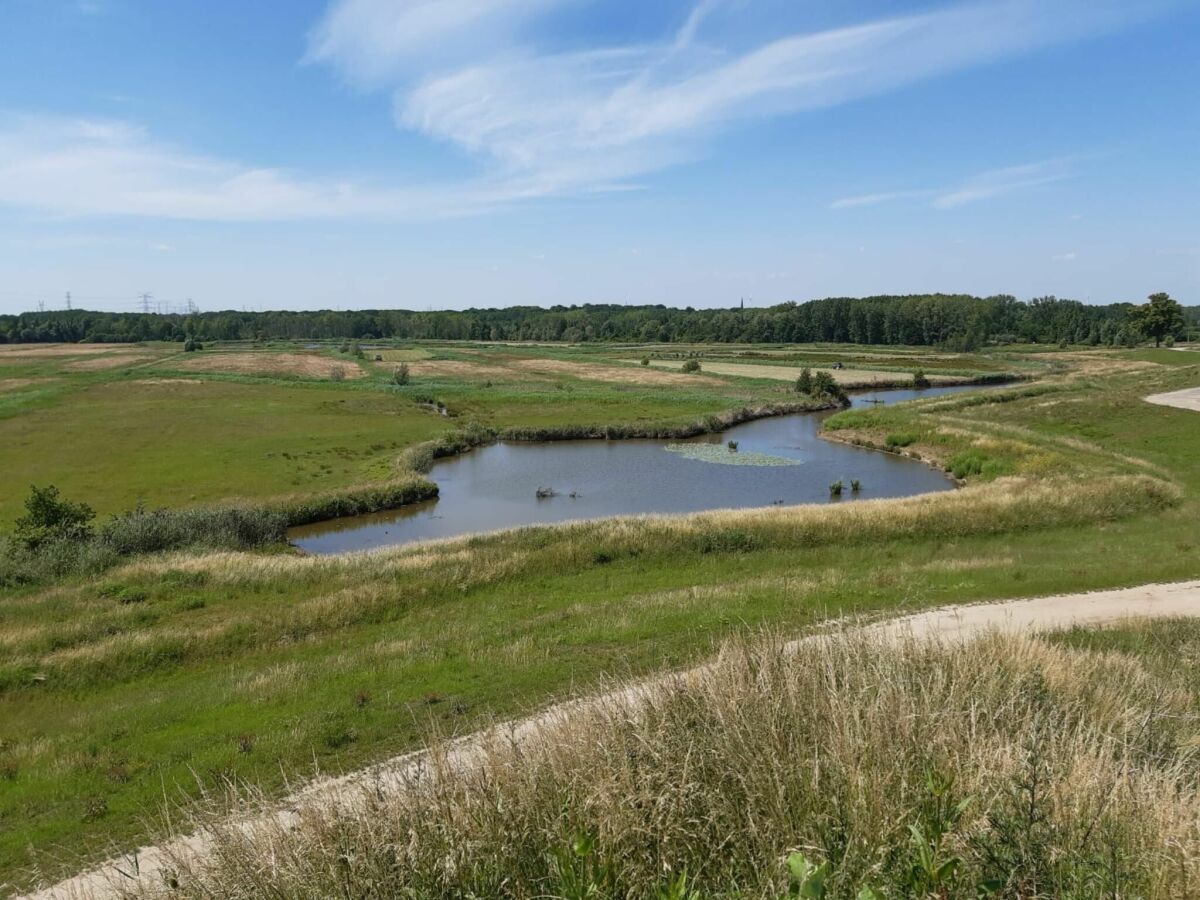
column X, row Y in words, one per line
column 1027, row 769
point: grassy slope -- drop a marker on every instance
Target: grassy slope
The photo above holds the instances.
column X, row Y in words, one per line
column 351, row 661
column 1070, row 773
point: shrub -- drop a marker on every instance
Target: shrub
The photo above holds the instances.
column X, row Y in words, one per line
column 645, row 360
column 727, row 540
column 920, row 380
column 189, row 346
column 970, row 463
column 825, row 385
column 400, row 374
column 835, row 489
column 855, row 485
column 337, row 373
column 732, row 445
column 804, row 384
column 690, row 365
column 50, row 518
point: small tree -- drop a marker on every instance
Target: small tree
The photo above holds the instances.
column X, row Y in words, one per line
column 400, row 374
column 1160, row 317
column 690, row 366
column 804, row 384
column 50, row 518
column 189, row 346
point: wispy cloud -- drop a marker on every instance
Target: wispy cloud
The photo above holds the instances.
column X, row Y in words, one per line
column 875, row 199
column 984, row 186
column 80, row 167
column 541, row 112
column 1005, row 181
column 570, row 118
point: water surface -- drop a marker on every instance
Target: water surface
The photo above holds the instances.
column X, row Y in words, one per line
column 496, row 486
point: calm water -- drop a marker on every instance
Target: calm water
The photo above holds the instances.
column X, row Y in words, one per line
column 495, row 487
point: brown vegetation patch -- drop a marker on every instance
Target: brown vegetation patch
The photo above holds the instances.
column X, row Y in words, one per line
column 844, row 377
column 43, row 350
column 112, row 361
column 12, row 384
column 457, row 368
column 305, row 365
column 611, row 374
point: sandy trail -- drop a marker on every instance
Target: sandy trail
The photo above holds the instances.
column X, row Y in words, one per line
column 146, row 866
column 1188, row 398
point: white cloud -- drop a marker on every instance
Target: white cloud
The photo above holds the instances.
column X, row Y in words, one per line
column 1004, row 181
column 569, row 118
column 542, row 116
column 1064, row 257
column 372, row 40
column 984, row 186
column 81, row 167
column 875, row 199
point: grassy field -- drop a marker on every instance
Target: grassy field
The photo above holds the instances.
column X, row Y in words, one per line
column 1008, row 766
column 175, row 673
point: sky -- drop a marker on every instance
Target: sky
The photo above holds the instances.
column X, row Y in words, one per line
column 433, row 154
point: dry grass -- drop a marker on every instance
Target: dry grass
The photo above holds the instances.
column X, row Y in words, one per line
column 611, row 374
column 110, row 361
column 14, row 384
column 49, row 350
column 304, row 365
column 844, row 377
column 1075, row 770
column 456, row 368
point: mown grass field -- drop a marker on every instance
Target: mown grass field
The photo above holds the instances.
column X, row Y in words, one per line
column 174, row 673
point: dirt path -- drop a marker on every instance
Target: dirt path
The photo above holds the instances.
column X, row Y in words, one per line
column 953, row 622
column 1188, row 398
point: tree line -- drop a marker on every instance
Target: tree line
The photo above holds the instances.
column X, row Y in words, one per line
column 954, row 321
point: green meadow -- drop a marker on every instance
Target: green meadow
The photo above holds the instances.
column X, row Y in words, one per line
column 170, row 675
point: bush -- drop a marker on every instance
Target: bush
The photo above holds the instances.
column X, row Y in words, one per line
column 920, row 380
column 690, row 365
column 728, row 540
column 49, row 518
column 804, row 384
column 971, row 463
column 228, row 528
column 825, row 385
column 337, row 373
column 400, row 374
column 835, row 489
column 645, row 360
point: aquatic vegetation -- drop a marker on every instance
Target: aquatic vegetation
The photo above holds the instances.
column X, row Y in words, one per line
column 718, row 453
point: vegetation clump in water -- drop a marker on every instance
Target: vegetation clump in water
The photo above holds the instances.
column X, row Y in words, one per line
column 716, row 453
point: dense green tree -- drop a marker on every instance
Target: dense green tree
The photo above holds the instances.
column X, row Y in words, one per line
column 1160, row 317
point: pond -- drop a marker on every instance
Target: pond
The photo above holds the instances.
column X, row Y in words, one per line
column 778, row 461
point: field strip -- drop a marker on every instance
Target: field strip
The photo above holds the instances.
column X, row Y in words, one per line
column 146, row 867
column 1188, row 398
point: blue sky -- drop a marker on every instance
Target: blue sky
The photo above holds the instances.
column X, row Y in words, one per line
column 450, row 153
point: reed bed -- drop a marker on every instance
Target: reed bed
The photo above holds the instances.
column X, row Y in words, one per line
column 1008, row 766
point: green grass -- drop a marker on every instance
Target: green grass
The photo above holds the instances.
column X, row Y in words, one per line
column 184, row 671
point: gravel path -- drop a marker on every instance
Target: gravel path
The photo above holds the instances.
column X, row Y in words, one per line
column 1188, row 398
column 952, row 622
